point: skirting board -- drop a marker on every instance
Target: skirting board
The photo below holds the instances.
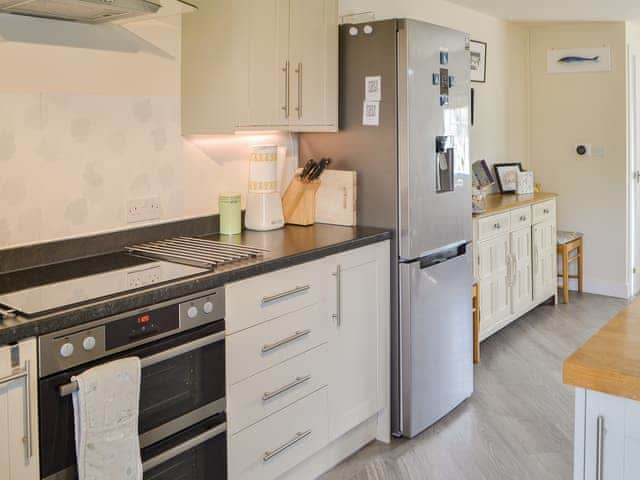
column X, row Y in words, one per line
column 335, row 452
column 600, row 287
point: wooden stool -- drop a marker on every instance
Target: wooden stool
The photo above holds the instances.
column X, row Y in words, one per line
column 567, row 243
column 476, row 324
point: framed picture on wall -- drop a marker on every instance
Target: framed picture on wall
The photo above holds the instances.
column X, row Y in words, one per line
column 507, row 174
column 478, row 53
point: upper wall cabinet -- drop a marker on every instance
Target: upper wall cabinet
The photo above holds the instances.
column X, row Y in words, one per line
column 207, row 63
column 285, row 65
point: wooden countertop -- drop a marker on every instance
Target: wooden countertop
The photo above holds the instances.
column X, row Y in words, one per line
column 610, row 361
column 498, row 202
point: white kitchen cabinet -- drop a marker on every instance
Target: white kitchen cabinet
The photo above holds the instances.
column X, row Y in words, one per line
column 286, row 64
column 207, row 69
column 520, row 250
column 308, row 361
column 607, row 437
column 544, row 260
column 358, row 339
column 262, row 66
column 18, row 412
column 515, row 262
column 493, row 276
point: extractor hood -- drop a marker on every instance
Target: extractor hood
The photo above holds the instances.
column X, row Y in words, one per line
column 89, row 11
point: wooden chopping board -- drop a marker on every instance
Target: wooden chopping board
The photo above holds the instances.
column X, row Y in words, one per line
column 336, row 199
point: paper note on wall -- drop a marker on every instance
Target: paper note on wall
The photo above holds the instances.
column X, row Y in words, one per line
column 370, row 113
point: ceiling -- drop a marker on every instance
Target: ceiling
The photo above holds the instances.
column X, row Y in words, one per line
column 556, row 10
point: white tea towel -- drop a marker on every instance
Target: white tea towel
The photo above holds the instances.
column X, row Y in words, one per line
column 106, row 421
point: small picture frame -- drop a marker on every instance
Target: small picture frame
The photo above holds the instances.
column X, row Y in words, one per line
column 507, row 175
column 478, row 58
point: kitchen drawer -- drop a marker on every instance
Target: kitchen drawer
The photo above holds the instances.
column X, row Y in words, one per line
column 267, row 449
column 283, row 384
column 265, row 345
column 258, row 299
column 493, row 225
column 520, row 217
column 544, row 211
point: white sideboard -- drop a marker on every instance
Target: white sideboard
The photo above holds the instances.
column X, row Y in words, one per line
column 515, row 258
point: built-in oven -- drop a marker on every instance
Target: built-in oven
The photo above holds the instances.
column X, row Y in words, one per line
column 182, row 397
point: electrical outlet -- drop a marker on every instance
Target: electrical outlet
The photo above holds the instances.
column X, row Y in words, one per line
column 143, row 209
column 142, row 278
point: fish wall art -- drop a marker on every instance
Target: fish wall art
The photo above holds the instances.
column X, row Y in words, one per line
column 579, row 60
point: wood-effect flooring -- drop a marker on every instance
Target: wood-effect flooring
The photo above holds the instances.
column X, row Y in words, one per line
column 519, row 423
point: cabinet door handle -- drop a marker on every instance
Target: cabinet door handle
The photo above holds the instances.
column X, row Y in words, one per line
column 338, row 315
column 299, row 107
column 536, row 266
column 286, row 107
column 269, row 454
column 280, row 343
column 298, row 381
column 288, row 293
column 508, row 258
column 599, row 447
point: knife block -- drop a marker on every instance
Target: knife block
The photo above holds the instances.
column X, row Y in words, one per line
column 299, row 202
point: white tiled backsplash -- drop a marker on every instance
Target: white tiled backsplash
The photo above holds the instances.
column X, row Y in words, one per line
column 70, row 163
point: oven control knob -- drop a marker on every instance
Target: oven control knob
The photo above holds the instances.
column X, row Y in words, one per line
column 66, row 350
column 89, row 343
column 192, row 312
column 207, row 307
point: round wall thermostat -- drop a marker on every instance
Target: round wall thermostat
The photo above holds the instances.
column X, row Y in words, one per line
column 368, row 29
column 353, row 31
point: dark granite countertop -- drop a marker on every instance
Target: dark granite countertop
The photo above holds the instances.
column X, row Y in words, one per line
column 287, row 247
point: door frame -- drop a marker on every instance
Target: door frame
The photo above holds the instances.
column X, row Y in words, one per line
column 633, row 155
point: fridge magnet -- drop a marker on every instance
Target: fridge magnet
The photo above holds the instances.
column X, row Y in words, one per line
column 373, row 89
column 579, row 60
column 525, row 183
column 478, row 51
column 371, row 114
column 507, row 174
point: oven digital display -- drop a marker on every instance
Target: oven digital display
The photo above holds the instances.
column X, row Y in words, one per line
column 133, row 329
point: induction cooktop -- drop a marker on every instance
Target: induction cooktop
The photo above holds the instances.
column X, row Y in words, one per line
column 43, row 289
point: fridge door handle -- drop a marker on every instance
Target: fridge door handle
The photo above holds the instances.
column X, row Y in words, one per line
column 444, row 255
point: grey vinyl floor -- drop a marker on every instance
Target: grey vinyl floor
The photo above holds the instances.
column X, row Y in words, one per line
column 519, row 422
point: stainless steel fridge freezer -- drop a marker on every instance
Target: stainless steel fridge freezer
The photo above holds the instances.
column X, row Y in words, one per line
column 414, row 176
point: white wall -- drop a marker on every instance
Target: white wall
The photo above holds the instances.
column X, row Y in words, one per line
column 500, row 133
column 83, row 130
column 568, row 109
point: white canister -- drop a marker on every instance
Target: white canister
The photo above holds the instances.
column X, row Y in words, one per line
column 263, row 169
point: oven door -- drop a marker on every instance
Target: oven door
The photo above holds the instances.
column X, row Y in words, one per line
column 198, row 453
column 183, row 383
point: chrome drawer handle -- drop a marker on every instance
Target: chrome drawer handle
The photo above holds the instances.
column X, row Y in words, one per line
column 288, row 293
column 338, row 315
column 269, row 454
column 546, row 211
column 280, row 343
column 298, row 381
column 523, row 218
column 497, row 226
column 599, row 447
